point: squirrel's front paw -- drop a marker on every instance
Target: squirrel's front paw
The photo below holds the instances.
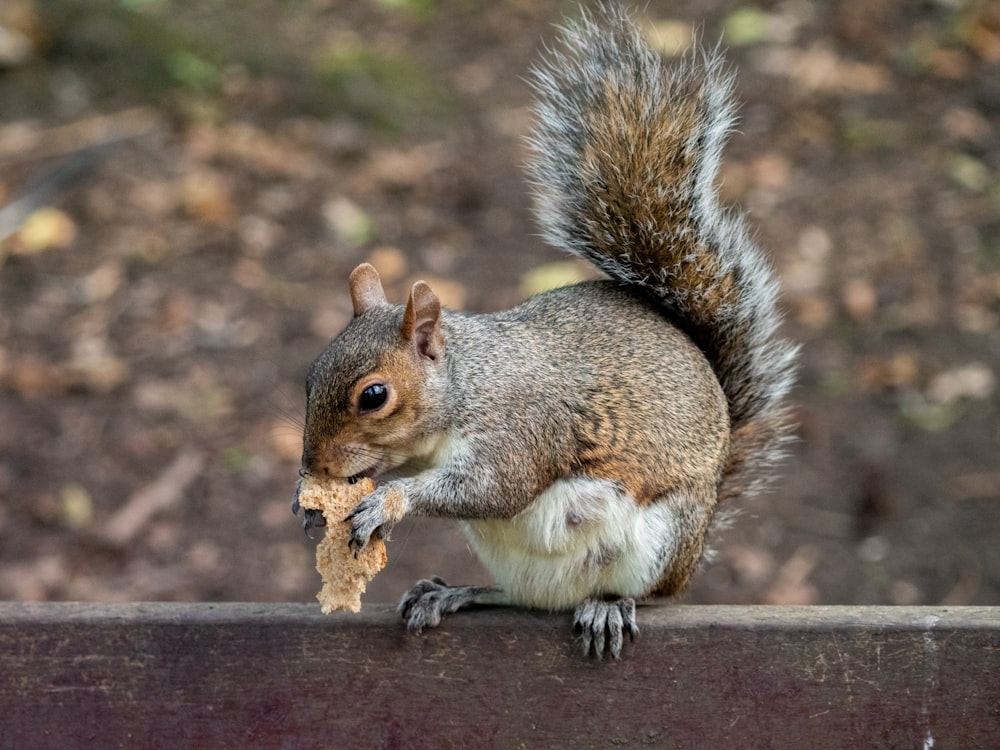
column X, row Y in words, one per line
column 376, row 514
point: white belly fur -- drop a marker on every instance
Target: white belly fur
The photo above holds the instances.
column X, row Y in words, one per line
column 579, row 539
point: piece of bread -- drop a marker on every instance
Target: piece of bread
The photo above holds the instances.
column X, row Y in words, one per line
column 345, row 576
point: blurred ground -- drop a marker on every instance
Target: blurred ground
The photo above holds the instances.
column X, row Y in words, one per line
column 156, row 322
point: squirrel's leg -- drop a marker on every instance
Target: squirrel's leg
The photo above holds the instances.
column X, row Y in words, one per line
column 603, row 625
column 429, row 600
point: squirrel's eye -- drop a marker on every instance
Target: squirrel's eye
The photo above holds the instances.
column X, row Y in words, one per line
column 373, row 397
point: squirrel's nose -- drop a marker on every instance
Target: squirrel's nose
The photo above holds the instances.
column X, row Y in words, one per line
column 316, row 468
column 311, row 464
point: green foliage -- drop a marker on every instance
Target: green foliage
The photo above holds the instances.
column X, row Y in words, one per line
column 384, row 90
column 180, row 52
column 746, row 26
column 131, row 46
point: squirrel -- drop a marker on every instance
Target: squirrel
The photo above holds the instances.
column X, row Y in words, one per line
column 585, row 437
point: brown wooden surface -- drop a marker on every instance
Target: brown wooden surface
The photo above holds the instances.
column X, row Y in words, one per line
column 263, row 675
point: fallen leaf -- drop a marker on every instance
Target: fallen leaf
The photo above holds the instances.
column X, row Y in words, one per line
column 970, row 173
column 746, row 26
column 33, row 377
column 860, row 299
column 348, row 221
column 670, row 37
column 897, row 370
column 76, row 506
column 206, row 196
column 451, row 293
column 390, row 262
column 45, row 229
column 972, row 381
column 550, row 276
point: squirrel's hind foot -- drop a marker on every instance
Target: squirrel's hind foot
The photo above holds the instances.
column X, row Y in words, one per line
column 430, row 599
column 602, row 625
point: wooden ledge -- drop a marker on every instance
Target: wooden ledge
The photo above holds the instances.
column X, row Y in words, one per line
column 270, row 675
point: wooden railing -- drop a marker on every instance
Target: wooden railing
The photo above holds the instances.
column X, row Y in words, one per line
column 265, row 675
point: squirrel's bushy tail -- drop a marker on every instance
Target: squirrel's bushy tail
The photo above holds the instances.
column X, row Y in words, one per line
column 623, row 163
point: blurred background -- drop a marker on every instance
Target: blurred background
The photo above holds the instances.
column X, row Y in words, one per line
column 185, row 185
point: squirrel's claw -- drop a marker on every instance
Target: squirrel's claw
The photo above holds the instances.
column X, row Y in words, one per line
column 314, row 519
column 602, row 626
column 376, row 514
column 296, row 506
column 430, row 599
column 418, row 608
column 367, row 519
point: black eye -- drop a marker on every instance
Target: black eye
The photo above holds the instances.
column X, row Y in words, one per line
column 373, row 397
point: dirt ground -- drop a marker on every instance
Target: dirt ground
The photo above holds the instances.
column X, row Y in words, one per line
column 157, row 319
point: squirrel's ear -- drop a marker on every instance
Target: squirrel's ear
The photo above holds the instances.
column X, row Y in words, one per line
column 366, row 289
column 422, row 322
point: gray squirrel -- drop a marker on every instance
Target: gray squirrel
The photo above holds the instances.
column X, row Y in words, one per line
column 585, row 437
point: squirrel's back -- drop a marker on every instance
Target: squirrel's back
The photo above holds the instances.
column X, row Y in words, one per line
column 624, row 159
column 595, row 371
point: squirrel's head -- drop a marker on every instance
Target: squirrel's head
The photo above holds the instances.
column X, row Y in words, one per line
column 373, row 395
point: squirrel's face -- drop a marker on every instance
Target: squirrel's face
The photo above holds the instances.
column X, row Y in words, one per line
column 371, row 394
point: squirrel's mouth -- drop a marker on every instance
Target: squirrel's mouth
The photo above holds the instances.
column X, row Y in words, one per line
column 369, row 472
